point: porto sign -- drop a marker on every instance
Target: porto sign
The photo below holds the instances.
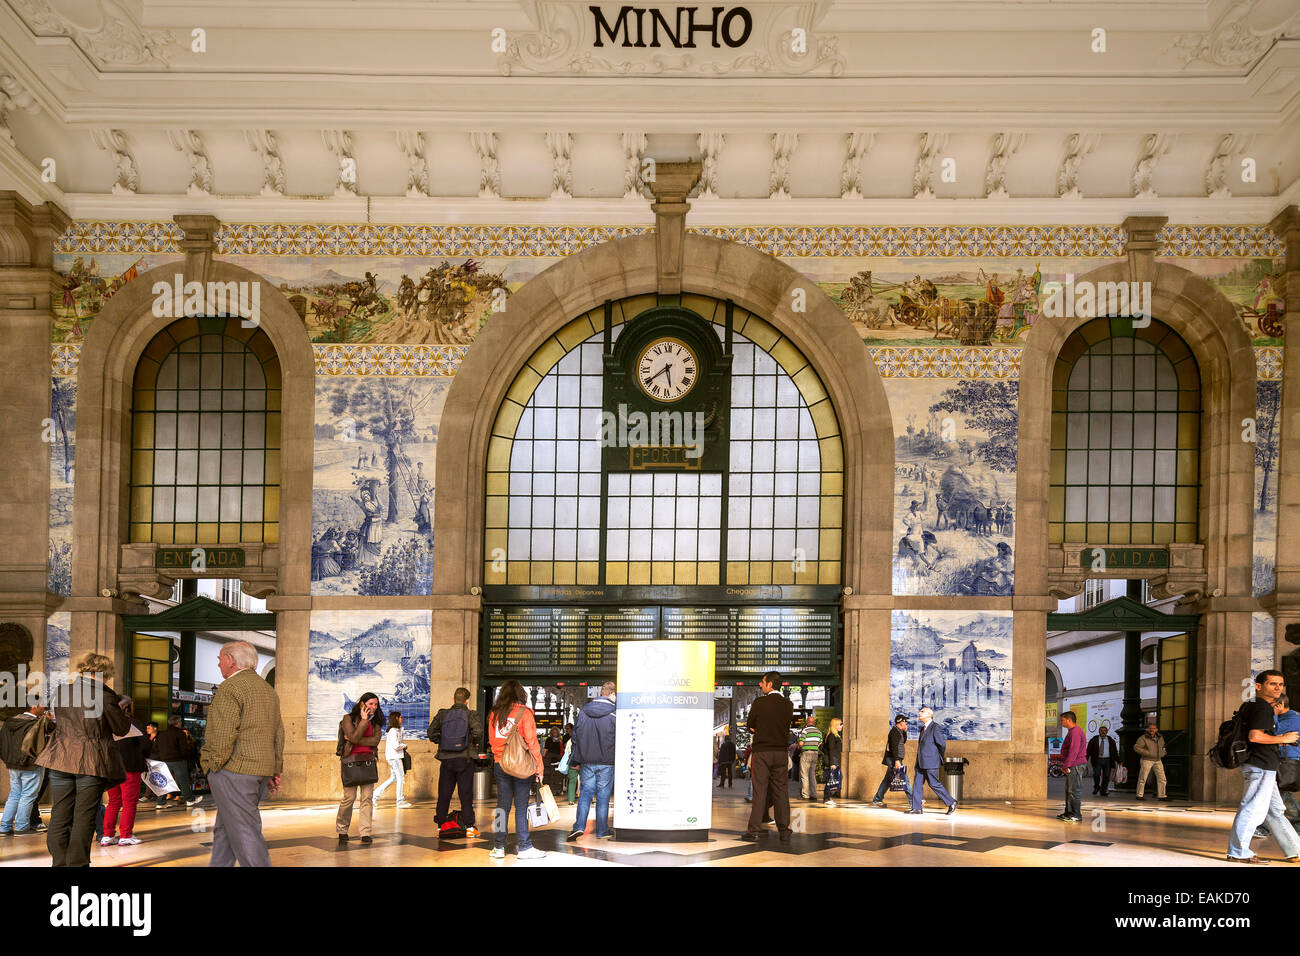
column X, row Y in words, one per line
column 638, row 27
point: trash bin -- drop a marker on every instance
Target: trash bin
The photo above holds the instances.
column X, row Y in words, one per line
column 952, row 774
column 483, row 785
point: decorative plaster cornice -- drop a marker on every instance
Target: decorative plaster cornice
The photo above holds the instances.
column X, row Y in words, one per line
column 417, row 175
column 191, row 144
column 1243, row 33
column 263, row 142
column 113, row 142
column 13, row 95
column 109, row 35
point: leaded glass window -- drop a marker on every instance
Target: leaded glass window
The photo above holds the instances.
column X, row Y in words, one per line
column 774, row 517
column 1125, row 436
column 205, row 463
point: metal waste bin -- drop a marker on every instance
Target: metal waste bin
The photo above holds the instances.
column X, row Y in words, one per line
column 483, row 784
column 952, row 774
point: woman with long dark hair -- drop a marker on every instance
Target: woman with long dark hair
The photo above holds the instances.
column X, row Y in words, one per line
column 359, row 735
column 511, row 717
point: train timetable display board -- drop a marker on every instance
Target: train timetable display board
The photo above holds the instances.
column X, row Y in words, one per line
column 663, row 771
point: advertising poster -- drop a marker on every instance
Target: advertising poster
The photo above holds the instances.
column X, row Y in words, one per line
column 663, row 784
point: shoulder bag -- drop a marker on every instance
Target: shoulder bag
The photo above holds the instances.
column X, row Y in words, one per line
column 357, row 770
column 516, row 759
column 406, row 761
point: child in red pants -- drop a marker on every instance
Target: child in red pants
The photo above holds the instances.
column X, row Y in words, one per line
column 122, row 799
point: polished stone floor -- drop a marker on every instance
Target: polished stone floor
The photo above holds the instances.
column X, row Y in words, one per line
column 1117, row 831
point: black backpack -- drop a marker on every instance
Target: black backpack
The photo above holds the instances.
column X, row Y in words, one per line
column 1232, row 748
column 455, row 730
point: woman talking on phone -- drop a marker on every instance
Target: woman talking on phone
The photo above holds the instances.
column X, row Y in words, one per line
column 359, row 735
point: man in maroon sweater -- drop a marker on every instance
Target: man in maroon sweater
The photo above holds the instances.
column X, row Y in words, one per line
column 769, row 723
column 1074, row 755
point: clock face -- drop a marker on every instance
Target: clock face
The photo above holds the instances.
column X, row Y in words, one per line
column 667, row 369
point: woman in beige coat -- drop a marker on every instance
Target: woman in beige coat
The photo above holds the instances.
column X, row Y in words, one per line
column 81, row 758
column 359, row 735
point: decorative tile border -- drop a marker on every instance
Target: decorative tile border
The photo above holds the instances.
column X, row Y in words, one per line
column 946, row 362
column 443, row 360
column 364, row 239
column 418, row 360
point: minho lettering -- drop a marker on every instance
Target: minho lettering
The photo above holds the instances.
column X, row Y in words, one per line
column 725, row 27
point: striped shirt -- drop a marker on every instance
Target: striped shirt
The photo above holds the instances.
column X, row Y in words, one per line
column 810, row 738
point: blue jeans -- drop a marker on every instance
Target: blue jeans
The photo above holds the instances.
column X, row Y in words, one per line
column 516, row 790
column 884, row 785
column 598, row 783
column 1261, row 801
column 24, row 785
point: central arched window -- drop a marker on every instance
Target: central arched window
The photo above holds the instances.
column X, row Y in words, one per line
column 205, row 447
column 773, row 516
column 1126, row 410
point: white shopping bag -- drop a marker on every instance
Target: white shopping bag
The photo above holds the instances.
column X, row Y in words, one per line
column 158, row 778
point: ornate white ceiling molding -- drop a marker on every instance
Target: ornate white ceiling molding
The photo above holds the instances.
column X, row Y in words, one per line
column 634, row 145
column 929, row 145
column 1002, row 148
column 1154, row 146
column 113, row 142
column 417, row 167
column 710, row 146
column 191, row 144
column 1216, row 171
column 489, row 180
column 572, row 39
column 339, row 142
column 105, row 30
column 857, row 145
column 561, row 146
column 783, row 147
column 263, row 142
column 1243, row 33
column 13, row 95
column 1077, row 146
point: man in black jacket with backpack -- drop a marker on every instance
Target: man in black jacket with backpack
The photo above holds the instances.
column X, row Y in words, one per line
column 457, row 731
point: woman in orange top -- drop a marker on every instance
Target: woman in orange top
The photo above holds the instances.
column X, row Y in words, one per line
column 509, row 711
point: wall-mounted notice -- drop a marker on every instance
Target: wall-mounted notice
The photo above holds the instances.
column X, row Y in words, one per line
column 663, row 785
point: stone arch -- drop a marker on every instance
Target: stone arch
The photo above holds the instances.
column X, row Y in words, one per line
column 626, row 267
column 106, row 370
column 1210, row 326
column 755, row 281
column 1056, row 674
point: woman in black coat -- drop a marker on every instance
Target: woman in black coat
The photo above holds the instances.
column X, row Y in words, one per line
column 832, row 752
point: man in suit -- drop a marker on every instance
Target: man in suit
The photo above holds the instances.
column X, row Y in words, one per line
column 929, row 758
column 1103, row 754
column 769, row 723
column 894, row 759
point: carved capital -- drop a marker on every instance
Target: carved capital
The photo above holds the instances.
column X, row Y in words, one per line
column 27, row 232
column 1141, row 244
column 672, row 183
column 199, row 243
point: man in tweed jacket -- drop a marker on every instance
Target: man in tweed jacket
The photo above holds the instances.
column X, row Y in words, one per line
column 243, row 747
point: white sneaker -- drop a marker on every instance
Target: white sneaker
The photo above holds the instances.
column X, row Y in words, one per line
column 128, row 841
column 532, row 853
column 108, row 841
column 195, row 802
column 405, row 805
column 498, row 853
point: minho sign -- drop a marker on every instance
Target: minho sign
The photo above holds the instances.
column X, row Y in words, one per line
column 648, row 27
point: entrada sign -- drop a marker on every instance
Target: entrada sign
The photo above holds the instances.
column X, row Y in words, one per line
column 183, row 558
column 1124, row 558
column 722, row 28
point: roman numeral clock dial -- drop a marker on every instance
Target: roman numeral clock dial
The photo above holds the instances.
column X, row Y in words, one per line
column 667, row 370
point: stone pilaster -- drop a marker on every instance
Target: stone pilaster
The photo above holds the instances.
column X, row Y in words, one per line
column 28, row 285
column 672, row 183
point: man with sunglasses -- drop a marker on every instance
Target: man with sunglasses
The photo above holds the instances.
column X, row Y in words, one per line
column 894, row 760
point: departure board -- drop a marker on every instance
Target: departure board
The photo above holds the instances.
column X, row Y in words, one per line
column 799, row 641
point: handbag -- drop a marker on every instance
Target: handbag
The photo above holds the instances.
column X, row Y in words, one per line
column 563, row 766
column 406, row 762
column 1288, row 776
column 37, row 737
column 360, row 770
column 541, row 808
column 898, row 780
column 516, row 759
column 834, row 780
